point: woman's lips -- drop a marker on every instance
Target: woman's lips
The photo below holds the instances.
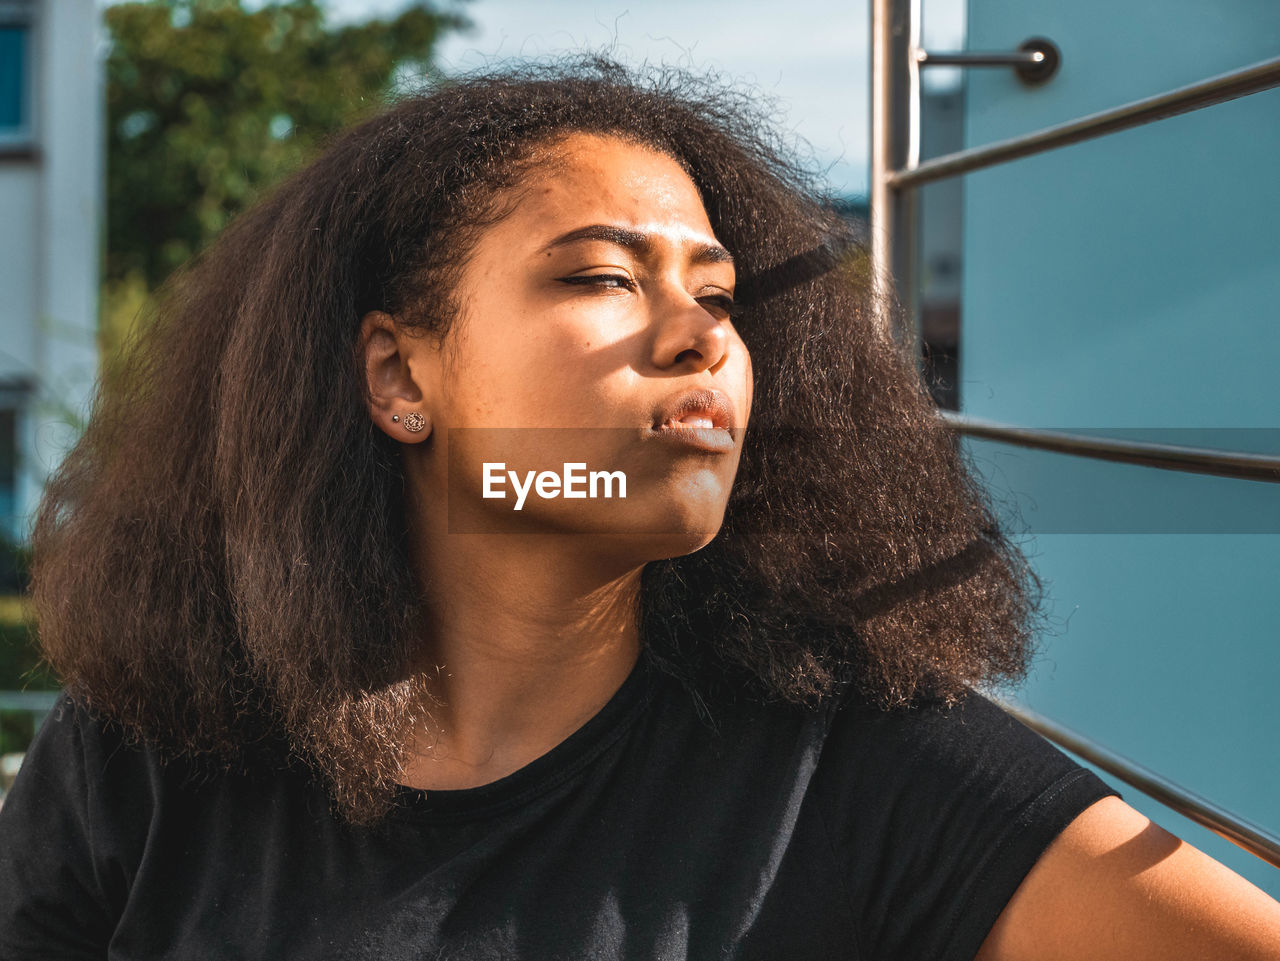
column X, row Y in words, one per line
column 691, row 420
column 699, row 418
column 695, row 408
column 697, row 432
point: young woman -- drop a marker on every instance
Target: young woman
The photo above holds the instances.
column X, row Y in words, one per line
column 420, row 589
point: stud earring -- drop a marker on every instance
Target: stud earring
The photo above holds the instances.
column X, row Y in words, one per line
column 395, row 418
column 414, row 422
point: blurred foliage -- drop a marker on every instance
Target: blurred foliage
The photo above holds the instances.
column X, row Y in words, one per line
column 20, row 667
column 20, row 670
column 208, row 103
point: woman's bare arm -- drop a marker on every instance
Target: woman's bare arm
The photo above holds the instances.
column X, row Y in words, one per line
column 1115, row 885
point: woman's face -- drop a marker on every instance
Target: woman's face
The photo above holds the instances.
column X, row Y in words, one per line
column 588, row 314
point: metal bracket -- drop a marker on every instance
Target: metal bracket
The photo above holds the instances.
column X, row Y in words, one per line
column 1035, row 61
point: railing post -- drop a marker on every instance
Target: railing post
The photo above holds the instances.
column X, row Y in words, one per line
column 892, row 121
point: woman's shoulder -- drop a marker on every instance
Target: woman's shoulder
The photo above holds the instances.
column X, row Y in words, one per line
column 84, row 752
column 81, row 761
column 76, row 739
column 80, row 804
column 964, row 763
column 938, row 810
column 959, row 732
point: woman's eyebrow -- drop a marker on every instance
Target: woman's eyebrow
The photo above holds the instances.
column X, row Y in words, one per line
column 639, row 241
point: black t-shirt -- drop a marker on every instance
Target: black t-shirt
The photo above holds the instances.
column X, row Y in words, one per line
column 773, row 833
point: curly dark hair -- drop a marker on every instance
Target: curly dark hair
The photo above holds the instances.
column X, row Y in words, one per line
column 222, row 559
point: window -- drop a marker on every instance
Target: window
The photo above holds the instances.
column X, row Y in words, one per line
column 15, row 73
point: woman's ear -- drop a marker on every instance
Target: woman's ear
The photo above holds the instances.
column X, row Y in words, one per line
column 397, row 402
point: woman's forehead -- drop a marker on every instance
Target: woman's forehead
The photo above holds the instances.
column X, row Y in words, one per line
column 607, row 180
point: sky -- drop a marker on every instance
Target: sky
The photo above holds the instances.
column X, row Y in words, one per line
column 809, row 59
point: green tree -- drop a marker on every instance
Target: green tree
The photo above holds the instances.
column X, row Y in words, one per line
column 208, row 103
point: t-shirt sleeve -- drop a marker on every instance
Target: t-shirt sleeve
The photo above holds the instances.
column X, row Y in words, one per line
column 937, row 815
column 63, row 868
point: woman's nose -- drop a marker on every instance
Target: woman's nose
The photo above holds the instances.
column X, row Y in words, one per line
column 688, row 334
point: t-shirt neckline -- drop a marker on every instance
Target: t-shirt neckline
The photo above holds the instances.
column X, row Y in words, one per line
column 544, row 773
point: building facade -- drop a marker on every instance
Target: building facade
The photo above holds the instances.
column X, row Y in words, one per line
column 51, row 215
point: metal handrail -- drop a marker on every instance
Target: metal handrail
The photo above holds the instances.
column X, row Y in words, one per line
column 1252, row 838
column 35, row 702
column 1227, row 86
column 1000, row 58
column 1193, row 460
column 1036, row 61
column 895, row 169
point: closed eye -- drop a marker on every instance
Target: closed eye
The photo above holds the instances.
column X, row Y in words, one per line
column 600, row 280
column 721, row 302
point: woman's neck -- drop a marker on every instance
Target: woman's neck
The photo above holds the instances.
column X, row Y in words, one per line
column 528, row 636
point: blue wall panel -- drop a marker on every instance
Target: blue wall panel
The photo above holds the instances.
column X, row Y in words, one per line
column 1134, row 282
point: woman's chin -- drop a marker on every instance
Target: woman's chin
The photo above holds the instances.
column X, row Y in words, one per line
column 638, row 531
column 661, row 533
